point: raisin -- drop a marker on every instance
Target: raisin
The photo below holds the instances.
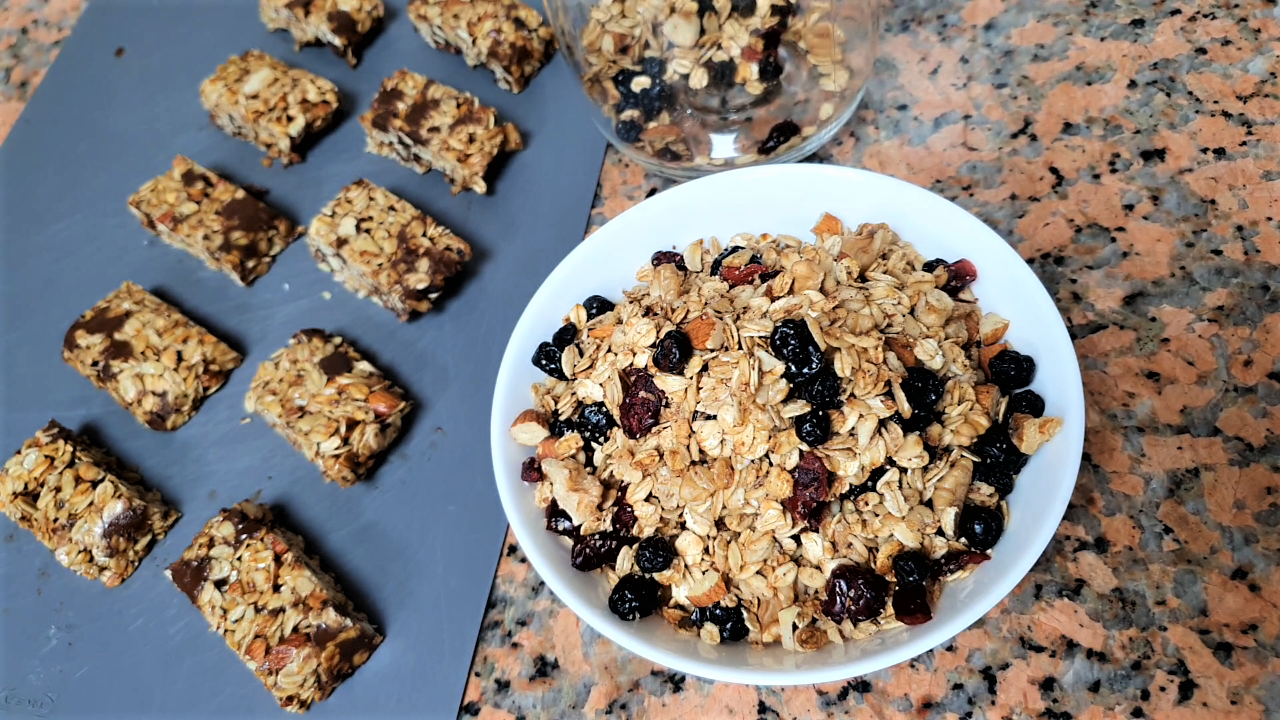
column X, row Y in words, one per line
column 673, row 352
column 770, row 70
column 734, row 631
column 823, row 390
column 624, row 516
column 722, row 74
column 960, row 275
column 911, row 604
column 745, row 8
column 654, row 67
column 910, row 568
column 957, row 560
column 628, row 131
column 854, row 593
column 559, row 522
column 728, row 253
column 562, row 426
column 933, row 264
column 778, row 136
column 919, row 421
column 792, row 343
column 810, row 483
column 642, row 405
column 997, row 477
column 814, row 428
column 635, row 596
column 995, row 447
column 742, row 275
column 655, row 98
column 547, row 359
column 592, row 552
column 668, row 257
column 565, row 336
column 594, row 423
column 1011, row 370
column 654, row 555
column 767, row 276
column 596, row 306
column 980, row 526
column 1026, row 402
column 923, row 388
column 531, row 470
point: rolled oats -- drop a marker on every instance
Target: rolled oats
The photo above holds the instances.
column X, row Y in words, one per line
column 344, row 25
column 506, row 36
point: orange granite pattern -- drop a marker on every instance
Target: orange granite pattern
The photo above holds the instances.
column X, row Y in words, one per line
column 1130, row 151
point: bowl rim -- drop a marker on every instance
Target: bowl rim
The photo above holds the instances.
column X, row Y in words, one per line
column 1070, row 391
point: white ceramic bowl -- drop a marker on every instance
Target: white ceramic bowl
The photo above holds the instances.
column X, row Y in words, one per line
column 788, row 199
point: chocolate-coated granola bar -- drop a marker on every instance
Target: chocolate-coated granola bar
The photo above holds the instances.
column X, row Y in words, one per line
column 506, row 36
column 195, row 210
column 344, row 25
column 83, row 504
column 150, row 357
column 426, row 125
column 258, row 98
column 330, row 403
column 285, row 617
column 380, row 246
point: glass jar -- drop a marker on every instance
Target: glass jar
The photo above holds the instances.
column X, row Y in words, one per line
column 688, row 87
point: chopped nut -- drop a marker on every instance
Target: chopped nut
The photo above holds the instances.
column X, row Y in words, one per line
column 992, row 328
column 707, row 590
column 1029, row 433
column 530, row 428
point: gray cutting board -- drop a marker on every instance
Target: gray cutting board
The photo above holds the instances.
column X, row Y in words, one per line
column 416, row 547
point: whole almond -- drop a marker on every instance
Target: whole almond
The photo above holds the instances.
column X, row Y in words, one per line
column 384, row 403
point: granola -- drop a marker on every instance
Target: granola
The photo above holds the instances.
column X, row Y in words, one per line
column 330, row 403
column 259, row 99
column 425, row 125
column 285, row 618
column 219, row 222
column 94, row 513
column 152, row 359
column 788, row 438
column 344, row 25
column 506, row 36
column 380, row 246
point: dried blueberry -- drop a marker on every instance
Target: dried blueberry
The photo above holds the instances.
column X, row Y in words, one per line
column 980, row 526
column 811, row 481
column 654, row 67
column 624, row 516
column 628, row 131
column 771, row 39
column 910, row 568
column 782, row 11
column 1011, row 370
column 911, row 604
column 745, row 8
column 933, row 264
column 854, row 593
column 923, row 388
column 627, row 102
column 723, row 614
column 655, row 98
column 919, row 421
column 597, row 305
column 622, row 81
column 856, row 491
column 814, row 428
column 957, row 560
column 635, row 596
column 592, row 552
column 530, row 470
column 730, row 252
column 995, row 447
column 722, row 74
column 770, row 70
column 641, row 406
column 792, row 343
column 734, row 630
column 565, row 336
column 559, row 522
column 960, row 275
column 594, row 423
column 997, row 477
column 547, row 359
column 700, row 616
column 823, row 390
column 706, row 6
column 778, row 136
column 1026, row 402
column 673, row 352
column 562, row 426
column 654, row 555
column 668, row 257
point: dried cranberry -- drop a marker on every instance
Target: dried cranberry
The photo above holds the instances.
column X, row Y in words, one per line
column 911, row 604
column 1025, row 402
column 668, row 257
column 743, row 275
column 980, row 526
column 635, row 596
column 778, row 136
column 559, row 522
column 547, row 359
column 910, row 568
column 854, row 593
column 654, row 554
column 565, row 336
column 923, row 388
column 814, row 428
column 531, row 470
column 594, row 423
column 792, row 343
column 592, row 552
column 673, row 352
column 642, row 405
column 624, row 516
column 810, row 483
column 957, row 560
column 997, row 477
column 730, row 252
column 1011, row 370
column 960, row 275
column 823, row 391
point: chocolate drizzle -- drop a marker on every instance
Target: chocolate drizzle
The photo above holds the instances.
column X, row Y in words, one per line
column 128, row 525
column 99, row 323
column 245, row 526
column 247, row 214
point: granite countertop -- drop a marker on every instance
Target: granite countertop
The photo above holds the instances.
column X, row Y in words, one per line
column 1129, row 151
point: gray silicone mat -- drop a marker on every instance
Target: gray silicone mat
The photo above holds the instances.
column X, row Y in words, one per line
column 416, row 546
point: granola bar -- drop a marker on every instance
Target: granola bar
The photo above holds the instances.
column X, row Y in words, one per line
column 83, row 504
column 196, row 210
column 506, row 36
column 425, row 125
column 147, row 355
column 257, row 98
column 380, row 246
column 344, row 25
column 285, row 618
column 330, row 403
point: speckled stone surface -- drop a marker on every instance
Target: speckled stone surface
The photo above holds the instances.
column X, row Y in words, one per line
column 1130, row 151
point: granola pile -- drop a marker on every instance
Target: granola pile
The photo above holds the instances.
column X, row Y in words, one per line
column 782, row 441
